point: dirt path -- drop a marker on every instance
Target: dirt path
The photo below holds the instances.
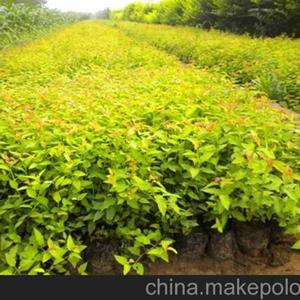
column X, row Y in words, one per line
column 287, row 111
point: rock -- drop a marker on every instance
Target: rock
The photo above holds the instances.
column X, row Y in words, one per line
column 276, row 234
column 252, row 238
column 279, row 248
column 193, row 246
column 100, row 258
column 279, row 255
column 279, row 237
column 222, row 246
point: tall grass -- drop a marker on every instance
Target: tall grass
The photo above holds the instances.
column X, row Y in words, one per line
column 20, row 21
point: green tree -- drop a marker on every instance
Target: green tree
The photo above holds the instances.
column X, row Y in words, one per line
column 103, row 14
column 258, row 17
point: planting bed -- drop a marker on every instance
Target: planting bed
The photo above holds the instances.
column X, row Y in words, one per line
column 270, row 65
column 245, row 249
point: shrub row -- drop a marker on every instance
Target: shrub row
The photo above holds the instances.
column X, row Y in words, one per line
column 270, row 65
column 103, row 137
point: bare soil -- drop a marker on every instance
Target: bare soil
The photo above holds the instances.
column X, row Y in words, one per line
column 209, row 266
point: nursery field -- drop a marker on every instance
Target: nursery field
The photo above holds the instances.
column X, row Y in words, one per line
column 108, row 140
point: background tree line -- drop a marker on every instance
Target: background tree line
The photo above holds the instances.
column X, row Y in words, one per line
column 257, row 17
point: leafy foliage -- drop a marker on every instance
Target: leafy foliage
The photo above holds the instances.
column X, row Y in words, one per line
column 103, row 136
